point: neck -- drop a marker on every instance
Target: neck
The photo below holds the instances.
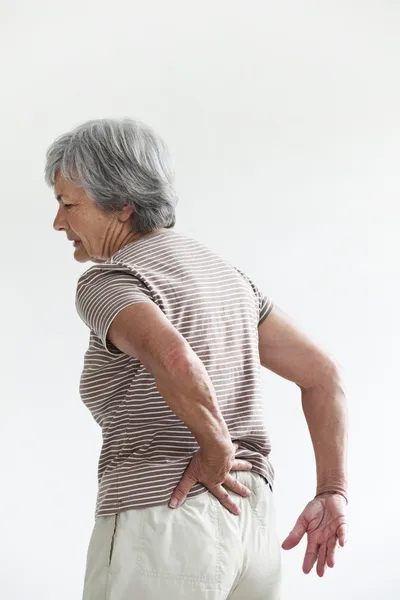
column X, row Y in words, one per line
column 129, row 238
column 134, row 237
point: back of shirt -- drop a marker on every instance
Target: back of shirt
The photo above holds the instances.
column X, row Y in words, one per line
column 217, row 309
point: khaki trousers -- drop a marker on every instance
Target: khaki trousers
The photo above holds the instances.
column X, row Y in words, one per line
column 198, row 551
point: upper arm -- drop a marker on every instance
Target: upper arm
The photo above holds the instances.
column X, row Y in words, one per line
column 144, row 332
column 290, row 353
column 119, row 308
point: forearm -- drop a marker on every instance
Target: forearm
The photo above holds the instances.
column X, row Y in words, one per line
column 325, row 410
column 188, row 390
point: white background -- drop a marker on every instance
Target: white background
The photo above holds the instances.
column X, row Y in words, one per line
column 284, row 121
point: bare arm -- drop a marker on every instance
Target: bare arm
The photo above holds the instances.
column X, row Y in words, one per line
column 143, row 331
column 288, row 352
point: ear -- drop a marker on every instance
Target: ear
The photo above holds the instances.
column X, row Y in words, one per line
column 125, row 213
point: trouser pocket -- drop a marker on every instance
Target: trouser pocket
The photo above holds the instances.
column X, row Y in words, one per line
column 113, row 540
column 99, row 557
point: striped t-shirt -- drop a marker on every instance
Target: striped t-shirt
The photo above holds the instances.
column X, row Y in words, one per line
column 217, row 309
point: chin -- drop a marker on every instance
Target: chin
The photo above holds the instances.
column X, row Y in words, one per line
column 80, row 254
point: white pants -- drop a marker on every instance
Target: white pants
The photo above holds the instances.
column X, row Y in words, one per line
column 198, row 551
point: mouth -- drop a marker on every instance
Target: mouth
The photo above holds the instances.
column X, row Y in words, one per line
column 76, row 243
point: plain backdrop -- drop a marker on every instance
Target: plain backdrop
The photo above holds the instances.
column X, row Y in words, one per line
column 283, row 118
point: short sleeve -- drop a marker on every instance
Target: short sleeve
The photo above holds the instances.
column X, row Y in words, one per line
column 103, row 292
column 265, row 303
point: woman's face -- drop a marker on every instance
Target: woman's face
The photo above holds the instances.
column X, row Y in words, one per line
column 95, row 235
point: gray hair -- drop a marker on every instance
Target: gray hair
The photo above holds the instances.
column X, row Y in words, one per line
column 118, row 162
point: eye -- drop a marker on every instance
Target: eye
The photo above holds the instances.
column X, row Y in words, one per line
column 67, row 206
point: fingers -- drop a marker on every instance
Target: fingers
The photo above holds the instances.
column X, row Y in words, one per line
column 324, row 553
column 241, row 465
column 295, row 536
column 342, row 534
column 331, row 552
column 235, row 486
column 321, row 565
column 180, row 493
column 223, row 496
column 310, row 557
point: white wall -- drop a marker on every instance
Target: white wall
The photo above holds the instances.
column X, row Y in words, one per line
column 284, row 121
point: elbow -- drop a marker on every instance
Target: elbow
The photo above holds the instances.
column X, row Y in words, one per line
column 328, row 375
column 336, row 374
column 178, row 358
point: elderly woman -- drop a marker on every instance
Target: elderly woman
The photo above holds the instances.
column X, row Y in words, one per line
column 172, row 375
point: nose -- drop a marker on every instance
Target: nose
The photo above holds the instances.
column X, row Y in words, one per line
column 60, row 222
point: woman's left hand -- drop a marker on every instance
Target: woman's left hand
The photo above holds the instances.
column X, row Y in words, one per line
column 324, row 521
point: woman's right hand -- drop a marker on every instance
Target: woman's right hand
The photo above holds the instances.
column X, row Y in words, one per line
column 212, row 468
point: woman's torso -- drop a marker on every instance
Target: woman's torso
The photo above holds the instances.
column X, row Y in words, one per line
column 217, row 309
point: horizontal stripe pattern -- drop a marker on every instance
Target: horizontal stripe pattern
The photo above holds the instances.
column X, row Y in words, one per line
column 218, row 309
